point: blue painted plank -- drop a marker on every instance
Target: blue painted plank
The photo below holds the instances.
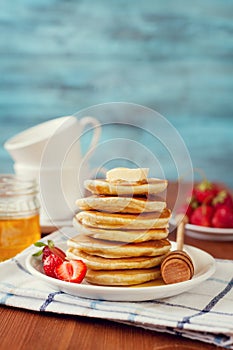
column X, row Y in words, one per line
column 57, row 57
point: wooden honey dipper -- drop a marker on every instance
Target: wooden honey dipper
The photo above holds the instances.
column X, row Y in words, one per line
column 177, row 266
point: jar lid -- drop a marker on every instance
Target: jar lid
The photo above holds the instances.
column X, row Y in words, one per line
column 12, row 185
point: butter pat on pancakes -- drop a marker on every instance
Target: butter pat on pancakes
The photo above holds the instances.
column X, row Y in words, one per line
column 127, row 175
column 122, row 228
column 123, row 181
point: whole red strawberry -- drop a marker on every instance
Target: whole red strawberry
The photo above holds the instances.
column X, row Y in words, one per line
column 222, row 198
column 51, row 262
column 202, row 215
column 205, row 191
column 223, row 217
column 51, row 249
column 52, row 257
column 48, row 249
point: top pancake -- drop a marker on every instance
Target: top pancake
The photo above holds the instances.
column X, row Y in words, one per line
column 101, row 186
column 120, row 204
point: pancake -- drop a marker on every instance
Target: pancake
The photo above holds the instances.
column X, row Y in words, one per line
column 120, row 204
column 121, row 235
column 122, row 277
column 99, row 263
column 124, row 221
column 108, row 249
column 101, row 186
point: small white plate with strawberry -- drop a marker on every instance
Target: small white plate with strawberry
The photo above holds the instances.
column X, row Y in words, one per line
column 53, row 268
column 209, row 209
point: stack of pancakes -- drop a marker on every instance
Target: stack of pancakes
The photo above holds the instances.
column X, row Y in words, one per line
column 123, row 229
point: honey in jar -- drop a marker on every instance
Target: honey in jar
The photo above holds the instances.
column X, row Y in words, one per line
column 19, row 215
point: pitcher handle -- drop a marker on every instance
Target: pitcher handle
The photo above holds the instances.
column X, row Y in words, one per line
column 96, row 129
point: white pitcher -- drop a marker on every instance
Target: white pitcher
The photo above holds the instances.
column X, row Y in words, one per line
column 50, row 152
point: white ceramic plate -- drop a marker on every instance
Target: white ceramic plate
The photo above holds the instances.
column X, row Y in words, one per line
column 209, row 233
column 204, row 265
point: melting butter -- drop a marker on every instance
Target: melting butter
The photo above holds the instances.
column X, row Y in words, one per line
column 126, row 174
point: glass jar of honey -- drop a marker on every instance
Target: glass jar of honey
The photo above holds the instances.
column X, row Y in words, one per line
column 19, row 215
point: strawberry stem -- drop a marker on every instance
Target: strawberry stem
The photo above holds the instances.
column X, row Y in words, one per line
column 39, row 244
column 50, row 244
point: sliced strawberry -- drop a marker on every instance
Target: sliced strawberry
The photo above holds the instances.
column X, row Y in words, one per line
column 202, row 216
column 50, row 263
column 71, row 271
column 223, row 217
column 205, row 191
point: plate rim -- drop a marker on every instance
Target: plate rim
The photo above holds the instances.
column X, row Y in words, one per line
column 210, row 230
column 138, row 291
column 205, row 229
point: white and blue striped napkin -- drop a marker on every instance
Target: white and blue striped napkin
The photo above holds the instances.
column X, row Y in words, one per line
column 204, row 313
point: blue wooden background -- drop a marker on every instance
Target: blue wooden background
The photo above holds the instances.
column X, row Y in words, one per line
column 60, row 56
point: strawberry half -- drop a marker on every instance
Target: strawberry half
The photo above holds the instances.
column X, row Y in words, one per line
column 71, row 271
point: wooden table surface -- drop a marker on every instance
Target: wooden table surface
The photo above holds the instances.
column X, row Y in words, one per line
column 22, row 330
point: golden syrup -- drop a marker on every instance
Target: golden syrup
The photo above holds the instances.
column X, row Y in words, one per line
column 19, row 215
column 17, row 234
